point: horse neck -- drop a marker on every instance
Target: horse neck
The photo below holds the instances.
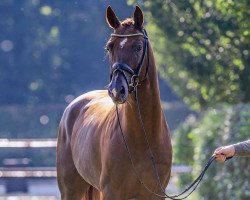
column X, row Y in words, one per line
column 149, row 103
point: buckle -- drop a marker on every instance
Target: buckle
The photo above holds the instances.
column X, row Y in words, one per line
column 134, row 82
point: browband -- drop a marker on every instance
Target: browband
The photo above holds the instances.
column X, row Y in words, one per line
column 128, row 35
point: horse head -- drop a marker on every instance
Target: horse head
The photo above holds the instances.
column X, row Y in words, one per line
column 126, row 49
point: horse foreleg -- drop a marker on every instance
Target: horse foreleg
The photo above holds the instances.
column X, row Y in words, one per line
column 71, row 185
column 113, row 194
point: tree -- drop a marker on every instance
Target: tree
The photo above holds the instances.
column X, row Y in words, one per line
column 202, row 48
column 196, row 141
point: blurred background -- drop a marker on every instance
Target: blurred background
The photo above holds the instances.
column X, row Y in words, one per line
column 53, row 51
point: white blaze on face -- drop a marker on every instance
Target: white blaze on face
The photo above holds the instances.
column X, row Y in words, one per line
column 123, row 42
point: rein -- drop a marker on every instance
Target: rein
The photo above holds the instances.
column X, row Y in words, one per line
column 133, row 88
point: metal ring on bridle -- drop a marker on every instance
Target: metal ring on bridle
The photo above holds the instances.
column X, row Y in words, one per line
column 134, row 82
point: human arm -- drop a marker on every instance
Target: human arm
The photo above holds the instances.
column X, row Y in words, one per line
column 239, row 149
column 242, row 148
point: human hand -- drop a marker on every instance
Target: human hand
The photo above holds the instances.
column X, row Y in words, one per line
column 222, row 153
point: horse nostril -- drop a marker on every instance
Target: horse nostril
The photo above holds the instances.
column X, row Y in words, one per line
column 122, row 91
column 110, row 93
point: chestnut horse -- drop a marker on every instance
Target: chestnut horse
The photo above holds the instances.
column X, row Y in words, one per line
column 102, row 152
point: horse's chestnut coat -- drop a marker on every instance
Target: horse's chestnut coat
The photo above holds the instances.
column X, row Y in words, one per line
column 92, row 162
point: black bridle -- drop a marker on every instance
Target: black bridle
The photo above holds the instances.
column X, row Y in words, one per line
column 123, row 67
column 133, row 83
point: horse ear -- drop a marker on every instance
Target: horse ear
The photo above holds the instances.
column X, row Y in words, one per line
column 138, row 17
column 111, row 18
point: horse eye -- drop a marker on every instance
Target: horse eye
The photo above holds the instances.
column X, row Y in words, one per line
column 109, row 48
column 138, row 48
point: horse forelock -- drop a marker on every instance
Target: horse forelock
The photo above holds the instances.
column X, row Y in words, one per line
column 128, row 24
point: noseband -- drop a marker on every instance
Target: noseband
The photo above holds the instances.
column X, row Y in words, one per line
column 122, row 67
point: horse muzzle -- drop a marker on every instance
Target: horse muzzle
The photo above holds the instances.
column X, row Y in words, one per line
column 118, row 88
column 118, row 94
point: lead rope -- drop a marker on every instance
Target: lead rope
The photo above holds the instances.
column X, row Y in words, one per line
column 192, row 186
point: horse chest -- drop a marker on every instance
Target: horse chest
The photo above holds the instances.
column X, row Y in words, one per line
column 118, row 166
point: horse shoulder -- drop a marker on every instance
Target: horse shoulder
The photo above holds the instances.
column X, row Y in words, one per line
column 74, row 109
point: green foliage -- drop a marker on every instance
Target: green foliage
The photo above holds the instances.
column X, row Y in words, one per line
column 52, row 49
column 185, row 141
column 202, row 48
column 195, row 142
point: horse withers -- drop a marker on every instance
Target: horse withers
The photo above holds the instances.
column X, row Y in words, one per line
column 105, row 136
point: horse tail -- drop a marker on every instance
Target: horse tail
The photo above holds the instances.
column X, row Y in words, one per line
column 92, row 194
